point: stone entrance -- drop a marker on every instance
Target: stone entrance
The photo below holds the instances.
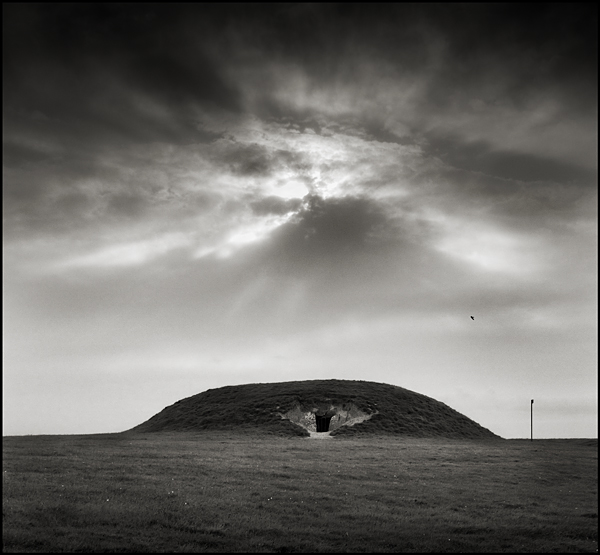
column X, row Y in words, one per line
column 323, row 422
column 323, row 419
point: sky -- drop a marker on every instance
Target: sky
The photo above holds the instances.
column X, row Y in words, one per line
column 202, row 195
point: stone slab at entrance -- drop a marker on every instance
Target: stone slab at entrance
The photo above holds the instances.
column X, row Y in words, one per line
column 325, row 419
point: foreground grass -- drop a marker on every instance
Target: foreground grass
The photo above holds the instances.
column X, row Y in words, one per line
column 197, row 492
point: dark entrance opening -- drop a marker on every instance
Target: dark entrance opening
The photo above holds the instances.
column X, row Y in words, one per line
column 323, row 422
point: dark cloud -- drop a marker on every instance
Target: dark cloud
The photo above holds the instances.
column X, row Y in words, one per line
column 255, row 160
column 95, row 109
column 250, row 160
column 100, row 73
column 139, row 72
column 292, row 160
column 147, row 46
column 480, row 156
column 347, row 222
column 126, row 204
column 49, row 195
column 20, row 192
column 328, row 230
column 291, row 117
column 495, row 51
column 377, row 132
column 529, row 47
column 16, row 155
column 31, row 206
column 508, row 53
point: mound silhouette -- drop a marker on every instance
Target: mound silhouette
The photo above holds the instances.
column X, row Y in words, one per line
column 304, row 408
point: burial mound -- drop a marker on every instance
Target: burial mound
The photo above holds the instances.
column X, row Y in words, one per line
column 305, row 408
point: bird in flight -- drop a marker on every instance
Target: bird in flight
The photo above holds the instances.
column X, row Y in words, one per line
column 472, row 318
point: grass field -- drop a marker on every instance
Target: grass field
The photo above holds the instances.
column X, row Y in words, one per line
column 208, row 492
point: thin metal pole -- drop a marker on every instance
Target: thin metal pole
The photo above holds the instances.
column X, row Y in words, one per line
column 531, row 420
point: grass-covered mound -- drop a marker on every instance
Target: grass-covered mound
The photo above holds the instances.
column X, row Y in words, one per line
column 262, row 408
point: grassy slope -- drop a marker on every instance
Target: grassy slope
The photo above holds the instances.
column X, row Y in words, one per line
column 255, row 406
column 225, row 492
